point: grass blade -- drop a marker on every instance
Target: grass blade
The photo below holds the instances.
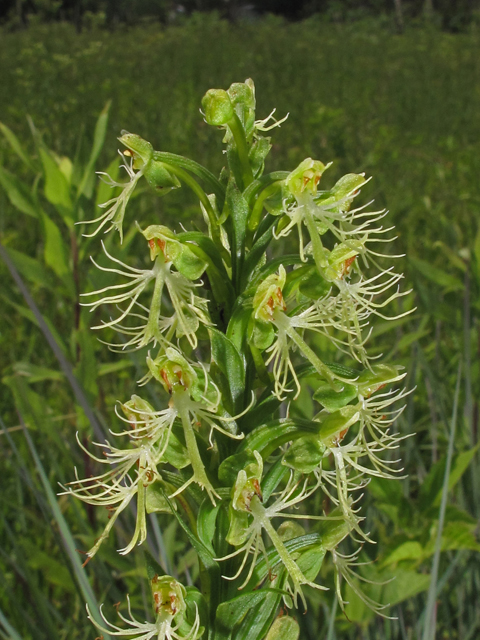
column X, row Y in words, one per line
column 430, row 611
column 63, row 362
column 66, row 535
column 12, row 633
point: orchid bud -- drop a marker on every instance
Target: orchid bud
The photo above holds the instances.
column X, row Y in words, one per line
column 217, row 107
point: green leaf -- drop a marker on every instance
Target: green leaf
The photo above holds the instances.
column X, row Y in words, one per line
column 237, row 327
column 284, row 628
column 313, row 286
column 310, row 561
column 238, row 213
column 212, row 579
column 18, row 193
column 31, row 268
column 333, row 400
column 371, row 380
column 431, row 488
column 254, row 257
column 272, row 478
column 155, row 501
column 230, row 363
column 260, row 413
column 458, row 535
column 16, row 146
column 28, row 313
column 409, row 550
column 87, row 184
column 295, row 546
column 260, row 617
column 57, row 188
column 67, row 537
column 206, row 522
column 218, row 277
column 336, row 423
column 13, row 633
column 204, row 553
column 407, row 584
column 268, row 437
column 229, row 468
column 257, row 154
column 176, row 453
column 54, row 251
column 304, row 455
column 436, row 275
column 385, row 490
column 261, row 334
column 86, row 369
column 231, row 613
column 107, row 368
column 189, row 264
column 196, row 603
column 152, row 566
column 51, row 569
column 34, row 373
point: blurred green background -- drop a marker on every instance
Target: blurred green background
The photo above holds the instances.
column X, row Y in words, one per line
column 391, row 89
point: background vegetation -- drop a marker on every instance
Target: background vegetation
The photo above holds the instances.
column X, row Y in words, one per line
column 401, row 107
column 450, row 16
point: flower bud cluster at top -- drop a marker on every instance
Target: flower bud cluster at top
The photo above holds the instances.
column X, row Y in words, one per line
column 228, row 320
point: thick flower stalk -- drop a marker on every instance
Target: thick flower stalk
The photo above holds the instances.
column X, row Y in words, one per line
column 233, row 337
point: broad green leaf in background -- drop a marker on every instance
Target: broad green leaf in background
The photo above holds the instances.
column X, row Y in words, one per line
column 34, row 373
column 31, row 268
column 16, row 146
column 55, row 252
column 436, row 275
column 18, row 193
column 57, row 188
column 87, row 184
column 431, row 489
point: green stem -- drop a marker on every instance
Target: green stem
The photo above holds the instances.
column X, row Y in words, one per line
column 238, row 132
column 260, row 183
column 210, row 180
column 254, row 218
column 196, row 188
column 202, row 196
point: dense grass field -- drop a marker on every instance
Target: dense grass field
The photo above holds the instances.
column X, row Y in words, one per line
column 403, row 109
